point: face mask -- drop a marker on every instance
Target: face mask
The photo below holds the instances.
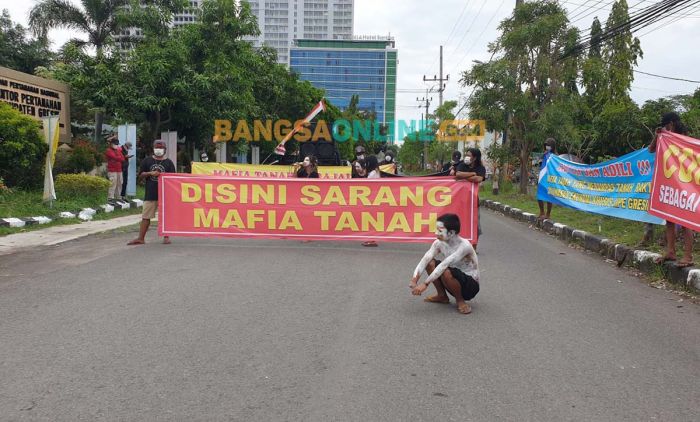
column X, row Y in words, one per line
column 306, row 162
column 115, row 146
column 159, row 152
column 467, row 160
column 388, row 158
column 361, row 157
column 205, row 158
column 548, row 148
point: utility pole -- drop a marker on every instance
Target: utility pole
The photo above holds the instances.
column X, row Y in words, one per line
column 440, row 80
column 427, row 100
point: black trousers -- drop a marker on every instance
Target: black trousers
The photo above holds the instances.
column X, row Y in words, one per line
column 125, row 177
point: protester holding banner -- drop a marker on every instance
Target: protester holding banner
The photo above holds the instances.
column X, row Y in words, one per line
column 472, row 170
column 359, row 169
column 451, row 264
column 373, row 167
column 309, row 168
column 151, row 169
column 549, row 150
column 389, row 161
column 451, row 167
column 672, row 122
column 114, row 169
column 359, row 156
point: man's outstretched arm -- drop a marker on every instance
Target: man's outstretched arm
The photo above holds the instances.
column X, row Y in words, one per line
column 453, row 258
column 429, row 256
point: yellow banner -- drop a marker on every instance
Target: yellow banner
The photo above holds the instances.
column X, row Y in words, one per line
column 263, row 171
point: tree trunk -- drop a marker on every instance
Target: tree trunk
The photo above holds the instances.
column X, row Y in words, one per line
column 99, row 119
column 524, row 167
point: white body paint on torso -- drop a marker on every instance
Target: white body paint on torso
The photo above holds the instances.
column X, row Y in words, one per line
column 456, row 252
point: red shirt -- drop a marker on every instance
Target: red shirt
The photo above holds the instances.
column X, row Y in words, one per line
column 114, row 159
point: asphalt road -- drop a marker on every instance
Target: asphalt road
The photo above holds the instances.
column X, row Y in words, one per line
column 218, row 330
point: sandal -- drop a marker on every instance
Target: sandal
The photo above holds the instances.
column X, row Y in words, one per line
column 464, row 309
column 370, row 243
column 436, row 299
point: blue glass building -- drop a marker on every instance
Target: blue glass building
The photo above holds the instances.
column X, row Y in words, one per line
column 344, row 68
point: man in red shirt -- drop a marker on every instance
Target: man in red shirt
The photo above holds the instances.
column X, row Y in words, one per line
column 115, row 158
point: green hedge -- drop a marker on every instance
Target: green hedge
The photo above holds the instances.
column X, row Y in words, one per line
column 22, row 149
column 81, row 185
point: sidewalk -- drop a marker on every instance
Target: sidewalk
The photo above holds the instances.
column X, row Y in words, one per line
column 58, row 234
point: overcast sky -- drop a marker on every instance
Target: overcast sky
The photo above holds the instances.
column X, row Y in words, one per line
column 464, row 27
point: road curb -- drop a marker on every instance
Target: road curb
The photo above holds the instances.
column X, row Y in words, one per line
column 84, row 214
column 618, row 252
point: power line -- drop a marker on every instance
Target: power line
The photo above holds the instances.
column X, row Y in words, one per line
column 480, row 35
column 679, row 17
column 667, row 77
column 639, row 21
column 449, row 36
column 572, row 18
column 469, row 28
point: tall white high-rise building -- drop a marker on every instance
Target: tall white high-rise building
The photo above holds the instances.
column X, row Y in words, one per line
column 188, row 15
column 281, row 22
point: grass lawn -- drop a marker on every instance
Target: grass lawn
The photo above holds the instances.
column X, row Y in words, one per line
column 621, row 231
column 29, row 204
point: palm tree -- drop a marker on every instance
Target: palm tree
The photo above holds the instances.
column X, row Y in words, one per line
column 99, row 19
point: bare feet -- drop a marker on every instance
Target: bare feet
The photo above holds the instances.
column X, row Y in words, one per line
column 684, row 263
column 665, row 258
column 437, row 299
column 136, row 242
column 464, row 308
column 166, row 240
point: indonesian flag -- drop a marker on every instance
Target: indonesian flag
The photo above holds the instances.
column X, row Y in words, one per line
column 321, row 106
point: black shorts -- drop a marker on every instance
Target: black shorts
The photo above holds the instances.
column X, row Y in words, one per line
column 469, row 286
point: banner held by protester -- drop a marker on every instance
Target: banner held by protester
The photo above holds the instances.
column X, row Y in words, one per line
column 675, row 191
column 390, row 210
column 617, row 188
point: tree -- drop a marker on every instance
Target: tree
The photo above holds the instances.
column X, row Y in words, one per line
column 411, row 153
column 207, row 71
column 441, row 151
column 22, row 149
column 525, row 78
column 101, row 20
column 620, row 54
column 19, row 52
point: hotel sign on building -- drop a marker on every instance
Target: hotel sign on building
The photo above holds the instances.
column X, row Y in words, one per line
column 36, row 97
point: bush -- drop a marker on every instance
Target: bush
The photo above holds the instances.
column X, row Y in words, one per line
column 82, row 158
column 22, row 149
column 81, row 185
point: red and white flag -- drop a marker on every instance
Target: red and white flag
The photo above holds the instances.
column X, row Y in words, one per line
column 321, row 106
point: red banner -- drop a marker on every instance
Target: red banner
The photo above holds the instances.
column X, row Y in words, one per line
column 392, row 209
column 675, row 190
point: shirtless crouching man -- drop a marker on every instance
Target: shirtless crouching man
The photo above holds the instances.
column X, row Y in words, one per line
column 451, row 264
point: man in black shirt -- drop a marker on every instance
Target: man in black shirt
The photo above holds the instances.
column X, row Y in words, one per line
column 472, row 170
column 125, row 167
column 151, row 168
column 451, row 167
